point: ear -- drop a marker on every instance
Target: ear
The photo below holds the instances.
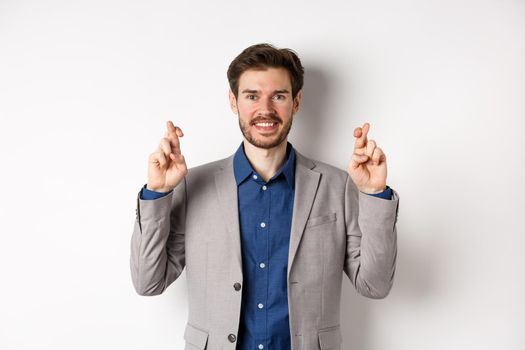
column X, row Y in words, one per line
column 297, row 101
column 233, row 102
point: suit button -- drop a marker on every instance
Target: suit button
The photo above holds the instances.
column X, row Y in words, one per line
column 237, row 286
column 232, row 338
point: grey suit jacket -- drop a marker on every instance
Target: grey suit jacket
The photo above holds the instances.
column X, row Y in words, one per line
column 335, row 228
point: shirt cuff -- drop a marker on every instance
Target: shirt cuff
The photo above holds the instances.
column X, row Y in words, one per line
column 386, row 194
column 150, row 195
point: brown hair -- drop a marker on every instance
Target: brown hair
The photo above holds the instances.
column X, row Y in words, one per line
column 263, row 56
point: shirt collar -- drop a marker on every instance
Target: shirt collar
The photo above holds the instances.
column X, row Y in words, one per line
column 242, row 167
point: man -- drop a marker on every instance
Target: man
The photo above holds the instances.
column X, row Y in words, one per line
column 266, row 233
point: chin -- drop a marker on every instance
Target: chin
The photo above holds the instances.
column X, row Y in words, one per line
column 266, row 143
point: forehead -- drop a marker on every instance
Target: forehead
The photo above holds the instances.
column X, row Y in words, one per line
column 268, row 79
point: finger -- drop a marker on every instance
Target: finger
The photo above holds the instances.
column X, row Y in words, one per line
column 370, row 146
column 174, row 129
column 358, row 160
column 180, row 163
column 357, row 132
column 162, row 160
column 177, row 158
column 172, row 134
column 362, row 135
column 360, row 151
column 165, row 146
column 158, row 158
column 377, row 156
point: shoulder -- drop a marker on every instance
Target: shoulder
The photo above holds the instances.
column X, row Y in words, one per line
column 207, row 169
column 328, row 172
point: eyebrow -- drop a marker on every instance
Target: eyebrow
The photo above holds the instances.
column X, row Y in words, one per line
column 281, row 91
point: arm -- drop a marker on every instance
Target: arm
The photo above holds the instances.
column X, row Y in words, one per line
column 157, row 243
column 371, row 246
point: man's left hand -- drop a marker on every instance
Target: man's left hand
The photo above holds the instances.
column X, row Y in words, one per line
column 368, row 165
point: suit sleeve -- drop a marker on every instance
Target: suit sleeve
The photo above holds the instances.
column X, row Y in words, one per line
column 157, row 243
column 371, row 241
column 386, row 194
column 150, row 195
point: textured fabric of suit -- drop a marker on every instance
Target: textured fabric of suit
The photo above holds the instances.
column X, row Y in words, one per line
column 335, row 229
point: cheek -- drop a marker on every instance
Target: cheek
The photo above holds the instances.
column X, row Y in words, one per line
column 284, row 109
column 247, row 111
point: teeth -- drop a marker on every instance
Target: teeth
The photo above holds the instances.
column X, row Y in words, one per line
column 264, row 124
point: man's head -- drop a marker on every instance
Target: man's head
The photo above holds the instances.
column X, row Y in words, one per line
column 265, row 92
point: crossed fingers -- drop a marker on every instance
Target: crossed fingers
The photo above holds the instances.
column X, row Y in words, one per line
column 170, row 143
column 366, row 149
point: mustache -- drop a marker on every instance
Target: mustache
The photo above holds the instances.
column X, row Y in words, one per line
column 270, row 118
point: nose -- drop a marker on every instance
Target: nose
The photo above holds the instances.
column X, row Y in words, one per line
column 266, row 106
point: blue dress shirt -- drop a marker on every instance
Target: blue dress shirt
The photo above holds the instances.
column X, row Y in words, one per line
column 265, row 217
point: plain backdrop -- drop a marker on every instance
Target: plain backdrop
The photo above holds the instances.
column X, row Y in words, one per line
column 86, row 88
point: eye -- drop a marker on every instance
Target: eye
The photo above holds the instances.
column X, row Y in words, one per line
column 279, row 97
column 251, row 97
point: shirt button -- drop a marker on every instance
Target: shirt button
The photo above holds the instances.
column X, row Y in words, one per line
column 263, row 224
column 264, row 188
column 254, row 177
column 237, row 286
column 260, row 306
column 262, row 265
column 261, row 346
column 232, row 338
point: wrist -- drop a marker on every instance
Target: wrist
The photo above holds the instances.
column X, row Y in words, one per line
column 158, row 189
column 373, row 190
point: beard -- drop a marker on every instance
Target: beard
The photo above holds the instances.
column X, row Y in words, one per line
column 281, row 136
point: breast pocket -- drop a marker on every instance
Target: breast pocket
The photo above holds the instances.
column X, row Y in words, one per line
column 320, row 220
column 195, row 338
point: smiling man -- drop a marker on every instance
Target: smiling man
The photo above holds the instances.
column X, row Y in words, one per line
column 265, row 107
column 265, row 234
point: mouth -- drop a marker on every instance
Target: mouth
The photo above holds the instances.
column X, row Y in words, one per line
column 266, row 127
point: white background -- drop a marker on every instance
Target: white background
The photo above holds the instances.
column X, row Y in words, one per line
column 87, row 86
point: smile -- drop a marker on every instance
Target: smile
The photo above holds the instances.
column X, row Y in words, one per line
column 266, row 127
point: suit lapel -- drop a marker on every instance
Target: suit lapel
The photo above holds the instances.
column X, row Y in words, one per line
column 306, row 182
column 227, row 194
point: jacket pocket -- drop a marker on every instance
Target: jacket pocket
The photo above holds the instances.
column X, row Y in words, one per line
column 330, row 338
column 196, row 336
column 319, row 220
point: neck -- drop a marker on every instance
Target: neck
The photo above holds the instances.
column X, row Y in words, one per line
column 266, row 161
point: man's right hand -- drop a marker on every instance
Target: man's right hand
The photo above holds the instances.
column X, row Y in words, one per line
column 167, row 166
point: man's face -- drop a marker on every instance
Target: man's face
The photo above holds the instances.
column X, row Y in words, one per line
column 265, row 106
